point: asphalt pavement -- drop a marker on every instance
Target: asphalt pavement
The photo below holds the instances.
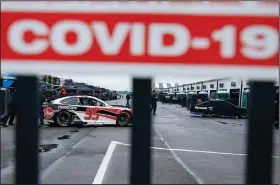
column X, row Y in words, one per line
column 185, row 149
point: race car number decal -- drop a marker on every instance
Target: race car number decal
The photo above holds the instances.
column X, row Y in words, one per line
column 91, row 114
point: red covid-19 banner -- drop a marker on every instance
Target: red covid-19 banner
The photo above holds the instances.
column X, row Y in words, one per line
column 146, row 34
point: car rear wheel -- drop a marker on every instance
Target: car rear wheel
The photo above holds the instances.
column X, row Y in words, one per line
column 206, row 114
column 64, row 119
column 123, row 119
column 244, row 115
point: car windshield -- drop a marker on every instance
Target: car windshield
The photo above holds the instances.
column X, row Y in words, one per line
column 95, row 102
column 222, row 95
column 203, row 97
column 203, row 104
column 230, row 103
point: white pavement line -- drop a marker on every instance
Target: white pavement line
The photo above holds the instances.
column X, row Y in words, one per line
column 194, row 151
column 179, row 161
column 202, row 129
column 104, row 164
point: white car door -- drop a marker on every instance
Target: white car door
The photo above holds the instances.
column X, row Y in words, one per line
column 104, row 117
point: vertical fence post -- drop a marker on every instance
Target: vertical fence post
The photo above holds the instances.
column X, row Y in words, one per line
column 27, row 109
column 260, row 133
column 140, row 167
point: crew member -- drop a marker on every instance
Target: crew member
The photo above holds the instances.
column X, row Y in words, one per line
column 154, row 103
column 11, row 111
column 127, row 100
column 62, row 92
column 276, row 122
column 42, row 99
column 163, row 99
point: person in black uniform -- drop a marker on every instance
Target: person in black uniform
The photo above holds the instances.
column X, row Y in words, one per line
column 276, row 121
column 163, row 99
column 42, row 99
column 127, row 100
column 154, row 103
column 11, row 112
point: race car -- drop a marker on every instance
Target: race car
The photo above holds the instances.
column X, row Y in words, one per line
column 86, row 110
column 218, row 108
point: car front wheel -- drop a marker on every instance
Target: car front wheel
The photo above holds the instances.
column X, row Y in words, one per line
column 244, row 115
column 123, row 119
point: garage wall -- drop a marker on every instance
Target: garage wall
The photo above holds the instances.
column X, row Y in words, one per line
column 230, row 83
column 246, row 83
column 188, row 87
column 184, row 88
column 197, row 86
column 225, row 82
column 180, row 88
column 237, row 81
column 214, row 82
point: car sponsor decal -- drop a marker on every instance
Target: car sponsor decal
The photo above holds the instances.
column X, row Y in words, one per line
column 48, row 112
column 200, row 108
column 93, row 113
column 106, row 112
column 67, row 107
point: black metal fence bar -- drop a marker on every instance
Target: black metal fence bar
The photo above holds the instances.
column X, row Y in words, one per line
column 260, row 133
column 140, row 168
column 27, row 109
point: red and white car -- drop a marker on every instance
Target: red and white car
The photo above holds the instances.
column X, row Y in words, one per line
column 86, row 110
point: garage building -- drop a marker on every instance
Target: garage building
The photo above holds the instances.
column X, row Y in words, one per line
column 234, row 88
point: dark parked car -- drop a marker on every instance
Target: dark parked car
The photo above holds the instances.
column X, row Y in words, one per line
column 161, row 95
column 168, row 98
column 219, row 108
